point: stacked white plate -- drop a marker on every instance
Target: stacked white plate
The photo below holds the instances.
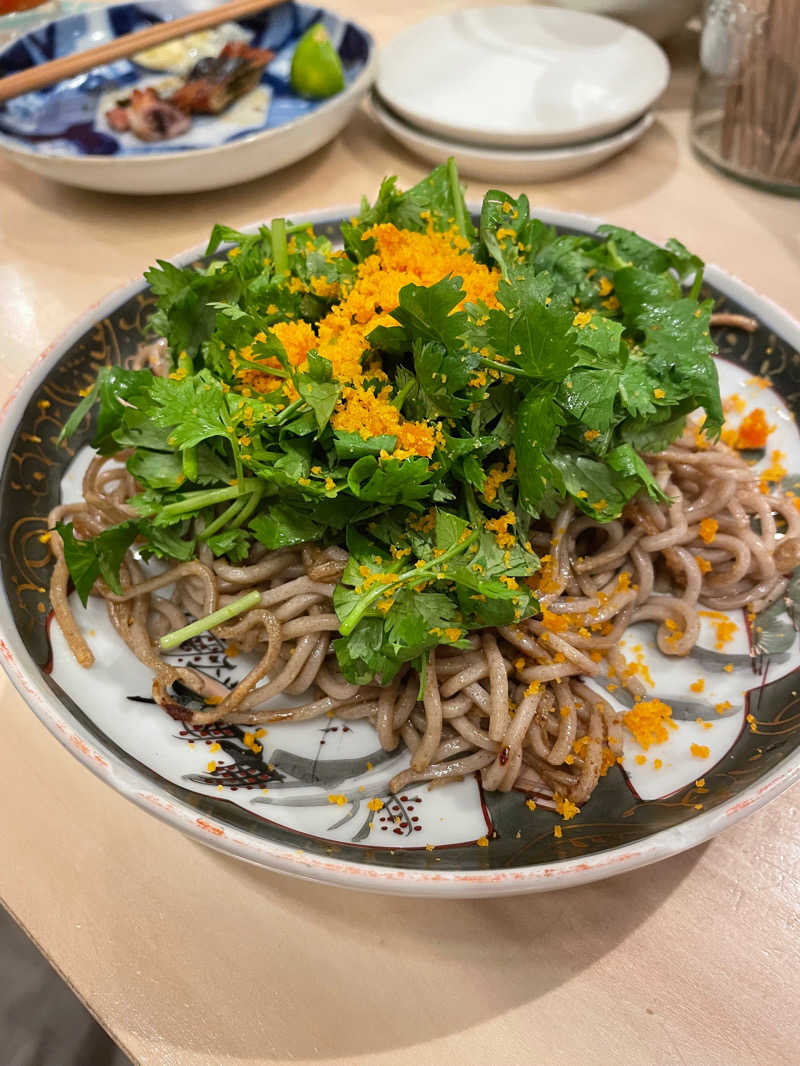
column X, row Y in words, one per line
column 519, row 93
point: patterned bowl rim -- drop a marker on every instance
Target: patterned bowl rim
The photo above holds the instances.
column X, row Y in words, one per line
column 350, row 94
column 220, row 835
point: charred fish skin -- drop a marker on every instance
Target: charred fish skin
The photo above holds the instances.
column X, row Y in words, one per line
column 215, row 83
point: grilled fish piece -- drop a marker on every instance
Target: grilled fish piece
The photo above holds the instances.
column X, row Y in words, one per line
column 215, row 83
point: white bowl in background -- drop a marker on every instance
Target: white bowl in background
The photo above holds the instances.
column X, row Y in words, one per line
column 658, row 18
column 521, row 77
column 509, row 164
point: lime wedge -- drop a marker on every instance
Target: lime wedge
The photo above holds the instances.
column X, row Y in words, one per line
column 316, row 67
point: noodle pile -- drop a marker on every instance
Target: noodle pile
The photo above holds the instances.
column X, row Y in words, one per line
column 515, row 705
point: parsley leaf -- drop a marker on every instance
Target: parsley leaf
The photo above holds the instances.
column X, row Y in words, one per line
column 195, row 409
column 538, row 425
column 99, row 557
column 533, row 330
column 284, row 525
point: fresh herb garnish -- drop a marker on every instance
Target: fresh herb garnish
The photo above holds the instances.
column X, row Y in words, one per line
column 425, row 395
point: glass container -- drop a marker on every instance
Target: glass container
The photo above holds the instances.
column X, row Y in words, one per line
column 746, row 111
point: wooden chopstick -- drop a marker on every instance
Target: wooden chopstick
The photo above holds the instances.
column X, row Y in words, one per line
column 59, row 69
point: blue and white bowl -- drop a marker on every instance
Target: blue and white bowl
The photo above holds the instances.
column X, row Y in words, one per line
column 62, row 132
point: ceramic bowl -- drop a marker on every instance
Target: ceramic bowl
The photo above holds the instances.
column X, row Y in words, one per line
column 658, row 18
column 521, row 77
column 509, row 164
column 61, row 132
column 274, row 807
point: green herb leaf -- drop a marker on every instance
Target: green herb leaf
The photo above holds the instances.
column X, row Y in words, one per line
column 234, row 543
column 282, row 526
column 538, row 425
column 99, row 557
column 321, row 396
column 533, row 331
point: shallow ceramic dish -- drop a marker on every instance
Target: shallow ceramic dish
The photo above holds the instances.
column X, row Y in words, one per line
column 521, row 77
column 62, row 132
column 654, row 17
column 423, row 842
column 509, row 164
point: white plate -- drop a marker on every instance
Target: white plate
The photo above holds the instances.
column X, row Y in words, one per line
column 509, row 164
column 521, row 76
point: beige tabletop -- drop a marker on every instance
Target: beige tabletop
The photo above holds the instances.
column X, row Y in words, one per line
column 193, row 959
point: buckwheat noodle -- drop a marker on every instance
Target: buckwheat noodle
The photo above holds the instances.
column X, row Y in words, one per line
column 515, row 703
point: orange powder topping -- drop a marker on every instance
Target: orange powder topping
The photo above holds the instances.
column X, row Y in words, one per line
column 734, row 402
column 724, row 626
column 296, row 337
column 775, row 472
column 648, row 722
column 565, row 807
column 371, row 414
column 555, row 623
column 497, row 475
column 754, row 430
column 499, row 526
column 708, row 530
column 400, row 258
column 639, row 667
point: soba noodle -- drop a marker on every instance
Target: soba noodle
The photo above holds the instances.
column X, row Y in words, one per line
column 514, row 706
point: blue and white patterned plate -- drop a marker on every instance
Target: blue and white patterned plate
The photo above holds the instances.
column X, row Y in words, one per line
column 64, row 126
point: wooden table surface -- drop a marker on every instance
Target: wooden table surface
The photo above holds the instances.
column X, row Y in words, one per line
column 193, row 959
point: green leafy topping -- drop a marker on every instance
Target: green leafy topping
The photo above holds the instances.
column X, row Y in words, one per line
column 99, row 557
column 582, row 355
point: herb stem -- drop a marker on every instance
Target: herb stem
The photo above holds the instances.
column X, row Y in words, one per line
column 697, row 284
column 216, row 618
column 473, row 510
column 263, row 368
column 196, row 501
column 348, row 624
column 223, row 519
column 287, row 412
column 506, row 368
column 455, row 193
column 237, row 462
column 280, row 252
column 399, row 399
column 189, row 461
column 616, row 261
column 249, row 507
column 189, row 454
